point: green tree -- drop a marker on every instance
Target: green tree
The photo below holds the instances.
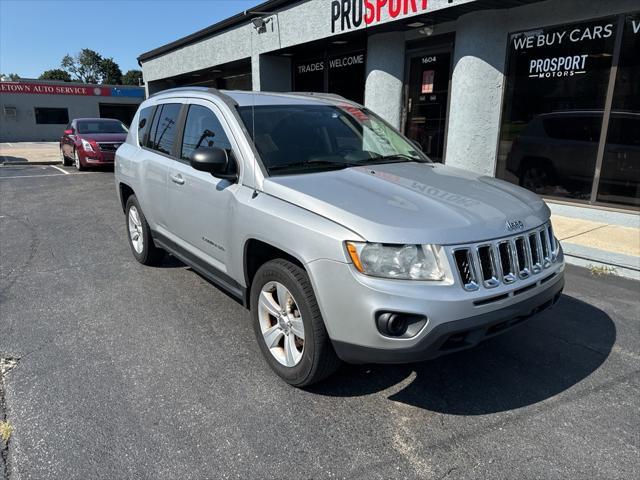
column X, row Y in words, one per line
column 85, row 66
column 55, row 74
column 110, row 72
column 10, row 76
column 132, row 77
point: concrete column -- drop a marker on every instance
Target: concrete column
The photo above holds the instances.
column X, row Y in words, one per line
column 255, row 72
column 385, row 76
column 476, row 91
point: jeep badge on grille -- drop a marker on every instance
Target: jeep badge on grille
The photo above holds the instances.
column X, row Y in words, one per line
column 515, row 225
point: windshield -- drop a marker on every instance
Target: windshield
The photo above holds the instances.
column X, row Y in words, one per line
column 101, row 126
column 305, row 138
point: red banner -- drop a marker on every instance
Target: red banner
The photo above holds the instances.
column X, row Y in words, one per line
column 44, row 89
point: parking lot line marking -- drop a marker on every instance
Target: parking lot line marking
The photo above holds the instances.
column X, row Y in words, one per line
column 58, row 168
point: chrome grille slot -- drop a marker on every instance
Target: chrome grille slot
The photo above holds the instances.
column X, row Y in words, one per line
column 506, row 262
column 487, row 266
column 544, row 246
column 552, row 242
column 464, row 263
column 522, row 256
column 534, row 249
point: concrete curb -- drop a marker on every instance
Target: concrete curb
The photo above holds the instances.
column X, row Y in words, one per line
column 43, row 162
column 627, row 266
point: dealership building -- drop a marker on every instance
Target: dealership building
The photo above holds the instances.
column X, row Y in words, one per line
column 545, row 94
column 37, row 110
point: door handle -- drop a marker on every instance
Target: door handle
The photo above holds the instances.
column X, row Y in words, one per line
column 177, row 179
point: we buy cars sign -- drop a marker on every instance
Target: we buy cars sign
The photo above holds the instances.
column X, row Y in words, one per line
column 45, row 89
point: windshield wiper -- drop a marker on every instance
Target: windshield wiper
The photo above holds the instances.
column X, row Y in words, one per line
column 314, row 163
column 397, row 157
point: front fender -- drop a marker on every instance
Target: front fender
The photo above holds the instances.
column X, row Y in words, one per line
column 300, row 233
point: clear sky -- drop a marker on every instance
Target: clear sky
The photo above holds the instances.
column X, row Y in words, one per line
column 35, row 35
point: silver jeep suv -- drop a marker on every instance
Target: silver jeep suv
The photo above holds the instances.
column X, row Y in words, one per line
column 338, row 233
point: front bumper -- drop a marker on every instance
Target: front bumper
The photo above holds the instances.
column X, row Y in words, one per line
column 97, row 158
column 457, row 335
column 457, row 319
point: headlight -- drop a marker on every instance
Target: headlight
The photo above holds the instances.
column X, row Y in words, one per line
column 87, row 146
column 405, row 262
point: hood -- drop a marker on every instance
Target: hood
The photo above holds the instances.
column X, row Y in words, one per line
column 412, row 202
column 104, row 137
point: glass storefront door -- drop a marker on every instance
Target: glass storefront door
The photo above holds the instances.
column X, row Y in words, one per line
column 426, row 101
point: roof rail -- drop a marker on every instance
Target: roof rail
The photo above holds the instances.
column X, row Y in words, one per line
column 213, row 91
column 181, row 89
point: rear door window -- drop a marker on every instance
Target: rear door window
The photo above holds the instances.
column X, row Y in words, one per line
column 165, row 125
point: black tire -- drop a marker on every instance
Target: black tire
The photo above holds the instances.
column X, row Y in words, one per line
column 65, row 161
column 319, row 359
column 150, row 254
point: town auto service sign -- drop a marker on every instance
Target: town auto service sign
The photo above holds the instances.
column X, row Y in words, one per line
column 352, row 14
column 43, row 89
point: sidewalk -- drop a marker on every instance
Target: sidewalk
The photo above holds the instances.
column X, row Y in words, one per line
column 29, row 153
column 603, row 246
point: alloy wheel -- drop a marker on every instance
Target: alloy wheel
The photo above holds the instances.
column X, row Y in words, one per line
column 135, row 230
column 281, row 324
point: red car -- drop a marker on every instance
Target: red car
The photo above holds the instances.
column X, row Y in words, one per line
column 91, row 142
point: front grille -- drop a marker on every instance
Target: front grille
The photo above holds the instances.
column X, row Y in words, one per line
column 506, row 260
column 109, row 147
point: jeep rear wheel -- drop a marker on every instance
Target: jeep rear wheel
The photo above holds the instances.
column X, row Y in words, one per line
column 139, row 234
column 288, row 324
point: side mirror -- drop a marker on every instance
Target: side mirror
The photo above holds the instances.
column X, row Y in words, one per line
column 213, row 160
column 69, row 131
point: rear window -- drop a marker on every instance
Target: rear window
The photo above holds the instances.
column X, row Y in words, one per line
column 144, row 124
column 101, row 126
column 163, row 130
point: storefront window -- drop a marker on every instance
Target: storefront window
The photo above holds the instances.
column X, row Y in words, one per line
column 308, row 75
column 346, row 76
column 554, row 104
column 620, row 173
column 342, row 74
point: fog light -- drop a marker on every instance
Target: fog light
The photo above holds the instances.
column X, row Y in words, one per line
column 399, row 325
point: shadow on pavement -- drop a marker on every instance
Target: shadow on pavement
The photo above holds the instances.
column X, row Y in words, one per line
column 542, row 358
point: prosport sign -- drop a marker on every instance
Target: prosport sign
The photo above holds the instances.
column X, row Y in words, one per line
column 350, row 14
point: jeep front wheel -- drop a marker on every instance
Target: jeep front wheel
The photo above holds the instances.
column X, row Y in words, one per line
column 288, row 324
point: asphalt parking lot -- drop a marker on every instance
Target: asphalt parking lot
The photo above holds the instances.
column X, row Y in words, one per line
column 126, row 371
